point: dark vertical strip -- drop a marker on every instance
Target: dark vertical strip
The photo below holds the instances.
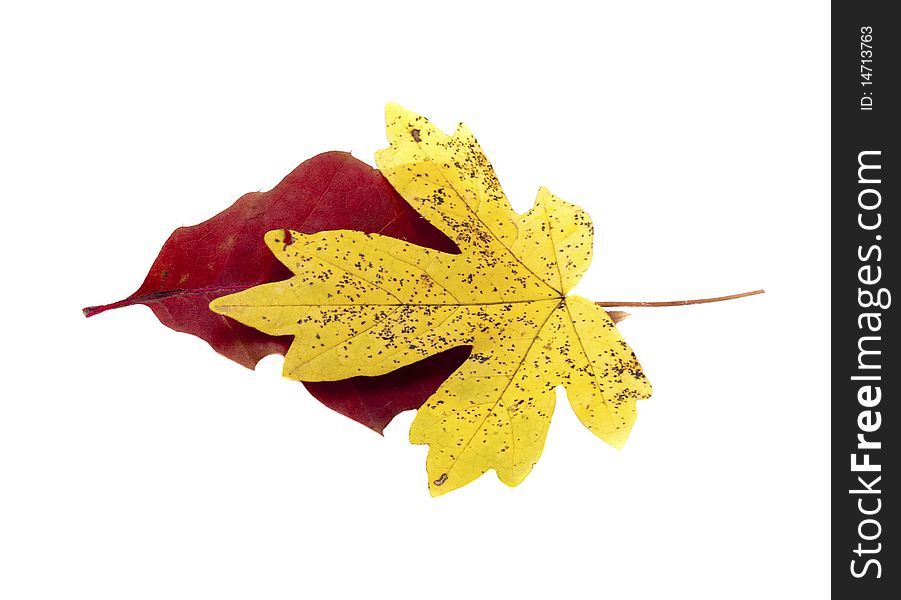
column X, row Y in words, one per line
column 866, row 369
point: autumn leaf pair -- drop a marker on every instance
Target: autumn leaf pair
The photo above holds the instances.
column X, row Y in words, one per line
column 467, row 310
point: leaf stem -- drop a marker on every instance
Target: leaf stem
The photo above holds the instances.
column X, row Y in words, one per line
column 681, row 302
column 90, row 311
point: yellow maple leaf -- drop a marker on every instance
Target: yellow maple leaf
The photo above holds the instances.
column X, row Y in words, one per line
column 367, row 304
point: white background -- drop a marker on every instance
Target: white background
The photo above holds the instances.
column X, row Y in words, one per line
column 137, row 463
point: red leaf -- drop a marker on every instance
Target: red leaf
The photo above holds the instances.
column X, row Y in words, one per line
column 226, row 254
